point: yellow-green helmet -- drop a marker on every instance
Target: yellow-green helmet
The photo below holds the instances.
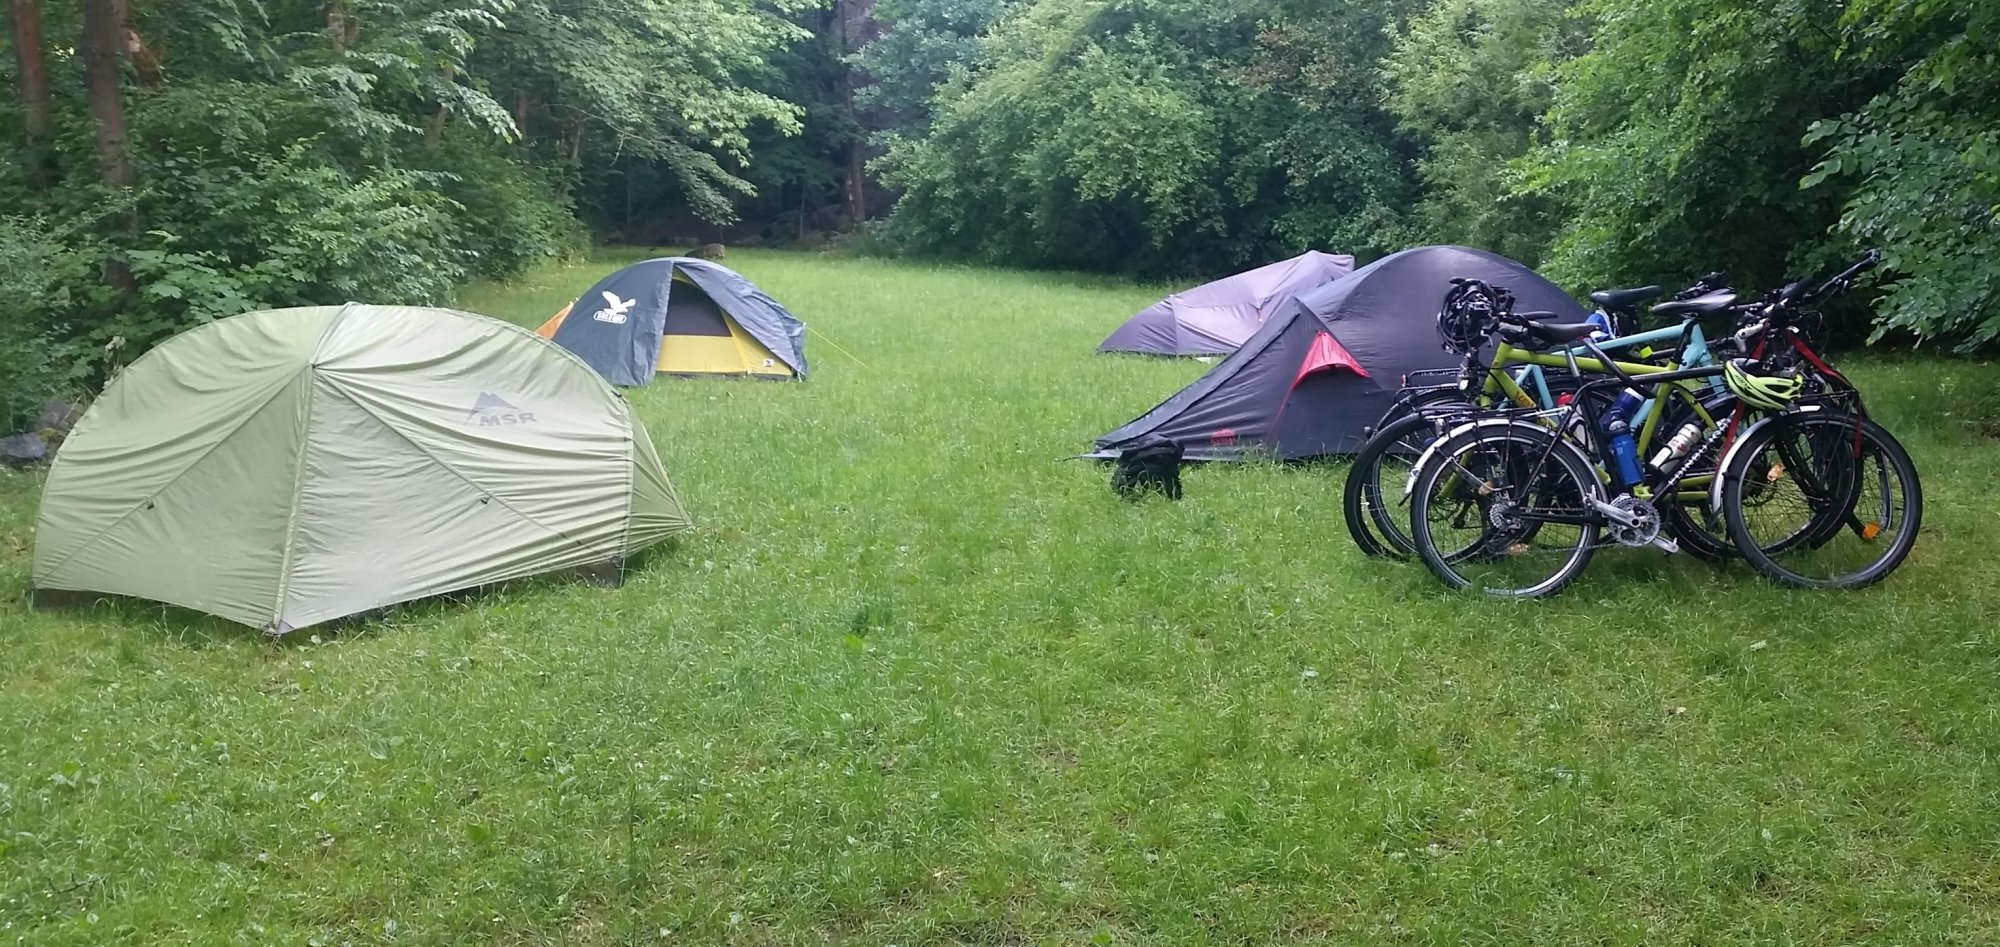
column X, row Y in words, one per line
column 1769, row 392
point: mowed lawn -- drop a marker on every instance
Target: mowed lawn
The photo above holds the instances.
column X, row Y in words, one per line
column 919, row 679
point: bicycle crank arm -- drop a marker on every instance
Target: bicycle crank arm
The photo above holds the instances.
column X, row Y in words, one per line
column 1613, row 513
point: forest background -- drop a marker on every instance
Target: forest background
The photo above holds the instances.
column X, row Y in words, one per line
column 175, row 161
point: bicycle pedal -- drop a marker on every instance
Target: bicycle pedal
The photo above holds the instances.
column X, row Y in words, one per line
column 1667, row 545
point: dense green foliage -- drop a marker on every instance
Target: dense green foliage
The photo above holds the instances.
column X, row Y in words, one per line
column 302, row 151
column 1607, row 141
column 295, row 151
column 1921, row 162
column 1155, row 135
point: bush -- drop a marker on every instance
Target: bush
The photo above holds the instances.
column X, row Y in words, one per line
column 505, row 217
column 35, row 269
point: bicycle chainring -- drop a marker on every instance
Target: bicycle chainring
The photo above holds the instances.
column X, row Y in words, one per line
column 1645, row 525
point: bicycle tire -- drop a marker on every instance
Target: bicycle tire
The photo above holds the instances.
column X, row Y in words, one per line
column 1523, row 469
column 1364, row 503
column 1697, row 529
column 1371, row 522
column 1837, row 545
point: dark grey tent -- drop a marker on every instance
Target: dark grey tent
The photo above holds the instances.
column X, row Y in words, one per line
column 1329, row 362
column 679, row 316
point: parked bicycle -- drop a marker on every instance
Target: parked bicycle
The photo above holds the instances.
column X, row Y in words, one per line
column 1538, row 364
column 1515, row 501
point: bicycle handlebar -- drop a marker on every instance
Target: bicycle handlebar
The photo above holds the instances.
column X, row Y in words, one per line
column 1840, row 281
column 1708, row 283
column 1796, row 290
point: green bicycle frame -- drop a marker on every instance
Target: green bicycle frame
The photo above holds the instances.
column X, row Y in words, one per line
column 1500, row 384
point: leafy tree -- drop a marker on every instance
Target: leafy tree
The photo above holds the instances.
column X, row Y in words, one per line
column 1675, row 143
column 1132, row 136
column 594, row 82
column 1472, row 79
column 1919, row 164
column 1346, row 170
column 924, row 43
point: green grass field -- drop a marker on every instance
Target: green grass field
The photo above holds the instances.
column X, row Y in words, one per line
column 918, row 679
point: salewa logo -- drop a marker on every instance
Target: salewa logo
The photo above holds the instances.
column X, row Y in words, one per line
column 491, row 410
column 614, row 309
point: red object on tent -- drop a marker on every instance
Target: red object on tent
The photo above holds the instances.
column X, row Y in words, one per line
column 1324, row 354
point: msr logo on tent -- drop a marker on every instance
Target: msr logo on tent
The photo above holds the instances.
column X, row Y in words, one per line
column 494, row 411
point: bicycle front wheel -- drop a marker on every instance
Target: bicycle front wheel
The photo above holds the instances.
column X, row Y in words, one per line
column 1822, row 499
column 1506, row 510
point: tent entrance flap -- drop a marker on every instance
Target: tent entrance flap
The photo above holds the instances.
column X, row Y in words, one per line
column 1326, row 353
column 693, row 312
column 702, row 338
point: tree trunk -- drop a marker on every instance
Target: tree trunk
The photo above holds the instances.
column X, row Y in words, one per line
column 857, row 197
column 340, row 28
column 434, row 132
column 103, row 31
column 569, row 146
column 34, row 86
column 101, row 43
column 850, row 27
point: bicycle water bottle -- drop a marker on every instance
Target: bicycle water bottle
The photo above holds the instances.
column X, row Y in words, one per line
column 1618, row 430
column 1678, row 446
column 1622, row 410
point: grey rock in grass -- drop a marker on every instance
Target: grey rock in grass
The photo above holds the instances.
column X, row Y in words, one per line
column 22, row 450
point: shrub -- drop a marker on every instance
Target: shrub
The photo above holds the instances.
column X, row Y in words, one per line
column 35, row 271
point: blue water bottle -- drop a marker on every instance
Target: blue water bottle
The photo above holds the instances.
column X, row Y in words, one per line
column 1618, row 431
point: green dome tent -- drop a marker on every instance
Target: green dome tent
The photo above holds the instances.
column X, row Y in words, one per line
column 293, row 466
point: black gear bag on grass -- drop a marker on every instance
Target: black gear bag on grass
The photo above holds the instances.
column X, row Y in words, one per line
column 1152, row 464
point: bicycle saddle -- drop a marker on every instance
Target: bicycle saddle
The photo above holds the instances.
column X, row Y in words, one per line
column 1547, row 333
column 1698, row 306
column 1624, row 298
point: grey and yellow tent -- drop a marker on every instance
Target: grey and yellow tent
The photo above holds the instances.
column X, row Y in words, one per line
column 293, row 466
column 679, row 316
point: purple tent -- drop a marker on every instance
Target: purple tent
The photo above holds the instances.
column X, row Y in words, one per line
column 1215, row 318
column 1330, row 361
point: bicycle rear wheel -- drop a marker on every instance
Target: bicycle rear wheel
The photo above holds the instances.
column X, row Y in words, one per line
column 1505, row 510
column 1372, row 501
column 1822, row 499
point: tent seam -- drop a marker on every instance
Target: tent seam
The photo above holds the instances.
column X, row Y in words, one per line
column 631, row 487
column 176, row 478
column 299, row 471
